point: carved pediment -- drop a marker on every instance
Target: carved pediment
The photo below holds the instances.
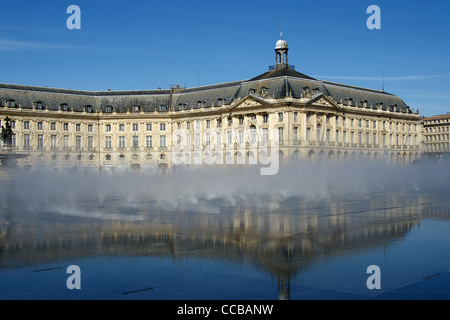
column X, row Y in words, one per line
column 323, row 101
column 249, row 101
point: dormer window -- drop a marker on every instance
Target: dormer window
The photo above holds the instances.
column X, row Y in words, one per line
column 108, row 109
column 11, row 103
column 88, row 109
column 251, row 91
column 64, row 107
column 264, row 91
column 305, row 91
column 135, row 109
column 38, row 105
column 220, row 102
column 163, row 108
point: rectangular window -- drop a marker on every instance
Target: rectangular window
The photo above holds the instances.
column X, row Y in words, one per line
column 344, row 136
column 295, row 116
column 40, row 141
column 280, row 135
column 107, row 142
column 149, row 141
column 40, row 126
column 280, row 116
column 208, row 124
column 78, row 142
column 53, row 141
column 218, row 138
column 149, row 127
column 337, row 136
column 90, row 128
column 308, row 134
column 121, row 127
column 26, row 125
column 374, row 142
column 207, row 138
column 78, row 127
column 241, row 136
column 162, row 141
column 107, row 128
column 229, row 138
column 318, row 134
column 197, row 140
column 188, row 140
column 162, row 127
column 135, row 141
column 295, row 134
column 265, row 117
column 90, row 142
column 122, row 142
column 26, row 141
column 53, row 126
column 66, row 142
column 135, row 127
column 265, row 135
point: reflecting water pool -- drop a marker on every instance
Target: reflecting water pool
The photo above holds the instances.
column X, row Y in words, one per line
column 213, row 248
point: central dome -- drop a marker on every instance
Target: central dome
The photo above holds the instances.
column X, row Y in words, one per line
column 281, row 44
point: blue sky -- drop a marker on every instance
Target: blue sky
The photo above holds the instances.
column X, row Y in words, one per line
column 138, row 45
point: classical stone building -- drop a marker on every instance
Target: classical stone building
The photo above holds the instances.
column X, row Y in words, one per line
column 436, row 136
column 235, row 122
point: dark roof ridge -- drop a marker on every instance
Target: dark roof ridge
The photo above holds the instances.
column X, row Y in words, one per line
column 356, row 87
column 79, row 92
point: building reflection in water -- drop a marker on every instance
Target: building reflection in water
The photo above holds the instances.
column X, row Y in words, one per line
column 282, row 238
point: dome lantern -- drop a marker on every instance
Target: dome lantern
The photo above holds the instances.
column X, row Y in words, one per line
column 281, row 52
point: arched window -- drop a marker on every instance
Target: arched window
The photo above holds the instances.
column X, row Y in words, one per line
column 252, row 134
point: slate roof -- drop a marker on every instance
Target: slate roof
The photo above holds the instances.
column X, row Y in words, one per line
column 276, row 83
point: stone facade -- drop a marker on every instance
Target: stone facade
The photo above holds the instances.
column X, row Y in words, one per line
column 436, row 134
column 232, row 123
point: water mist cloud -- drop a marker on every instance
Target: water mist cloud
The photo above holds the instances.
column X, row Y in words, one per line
column 68, row 192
